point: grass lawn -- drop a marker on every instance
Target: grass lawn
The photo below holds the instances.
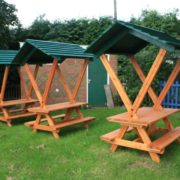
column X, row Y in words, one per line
column 80, row 154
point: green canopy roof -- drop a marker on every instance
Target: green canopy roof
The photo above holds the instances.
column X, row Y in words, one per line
column 42, row 52
column 127, row 38
column 7, row 56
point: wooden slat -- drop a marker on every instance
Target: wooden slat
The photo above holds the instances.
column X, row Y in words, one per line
column 33, row 82
column 147, row 83
column 73, row 122
column 166, row 139
column 17, row 102
column 168, row 85
column 4, row 81
column 117, row 83
column 26, row 114
column 80, row 78
column 54, row 107
column 31, row 123
column 109, row 137
column 65, row 85
column 146, row 116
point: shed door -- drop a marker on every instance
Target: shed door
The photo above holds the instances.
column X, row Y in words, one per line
column 97, row 78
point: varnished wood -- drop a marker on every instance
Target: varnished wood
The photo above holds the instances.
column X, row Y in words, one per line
column 117, row 83
column 147, row 83
column 33, row 82
column 4, row 82
column 80, row 78
column 65, row 85
column 169, row 83
column 49, row 82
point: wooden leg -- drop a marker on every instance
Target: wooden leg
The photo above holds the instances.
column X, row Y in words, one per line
column 52, row 125
column 6, row 116
column 145, row 138
column 68, row 114
column 36, row 123
column 168, row 124
column 120, row 135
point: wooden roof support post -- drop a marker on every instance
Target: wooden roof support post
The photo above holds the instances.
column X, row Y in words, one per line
column 35, row 75
column 147, row 83
column 23, row 83
column 65, row 85
column 117, row 83
column 168, row 85
column 4, row 82
column 33, row 82
column 80, row 78
column 49, row 82
column 141, row 75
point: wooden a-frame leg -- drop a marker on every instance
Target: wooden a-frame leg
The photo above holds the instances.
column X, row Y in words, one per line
column 52, row 125
column 6, row 116
column 145, row 138
column 120, row 135
column 37, row 122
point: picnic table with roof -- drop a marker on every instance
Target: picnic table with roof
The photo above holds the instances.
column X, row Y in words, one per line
column 128, row 39
column 47, row 52
column 7, row 114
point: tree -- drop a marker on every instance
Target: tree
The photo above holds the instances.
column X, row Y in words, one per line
column 8, row 19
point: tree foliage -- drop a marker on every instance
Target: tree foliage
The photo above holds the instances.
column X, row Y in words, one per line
column 8, row 19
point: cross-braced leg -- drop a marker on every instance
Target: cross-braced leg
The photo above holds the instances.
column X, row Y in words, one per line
column 145, row 138
column 120, row 135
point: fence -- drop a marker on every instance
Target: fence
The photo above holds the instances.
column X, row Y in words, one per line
column 172, row 99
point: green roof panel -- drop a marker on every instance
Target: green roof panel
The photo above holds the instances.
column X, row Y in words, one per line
column 42, row 52
column 7, row 56
column 127, row 38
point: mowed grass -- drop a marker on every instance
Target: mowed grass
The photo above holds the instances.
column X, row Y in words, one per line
column 80, row 154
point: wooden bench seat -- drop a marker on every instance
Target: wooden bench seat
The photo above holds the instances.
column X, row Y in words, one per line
column 146, row 116
column 17, row 102
column 109, row 137
column 55, row 107
column 31, row 123
column 74, row 121
column 166, row 139
column 26, row 114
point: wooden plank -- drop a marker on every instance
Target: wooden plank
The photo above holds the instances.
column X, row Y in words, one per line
column 4, row 82
column 147, row 83
column 166, row 139
column 109, row 98
column 35, row 75
column 168, row 85
column 65, row 85
column 17, row 102
column 73, row 122
column 117, row 83
column 135, row 145
column 109, row 137
column 23, row 83
column 27, row 114
column 33, row 82
column 143, row 78
column 31, row 123
column 55, row 107
column 80, row 78
column 49, row 82
column 146, row 116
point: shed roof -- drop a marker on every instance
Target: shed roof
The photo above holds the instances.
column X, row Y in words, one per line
column 7, row 56
column 41, row 52
column 127, row 38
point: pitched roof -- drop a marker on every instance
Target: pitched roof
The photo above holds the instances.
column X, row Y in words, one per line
column 7, row 56
column 127, row 38
column 41, row 52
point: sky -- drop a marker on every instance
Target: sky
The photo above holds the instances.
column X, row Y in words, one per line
column 29, row 10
